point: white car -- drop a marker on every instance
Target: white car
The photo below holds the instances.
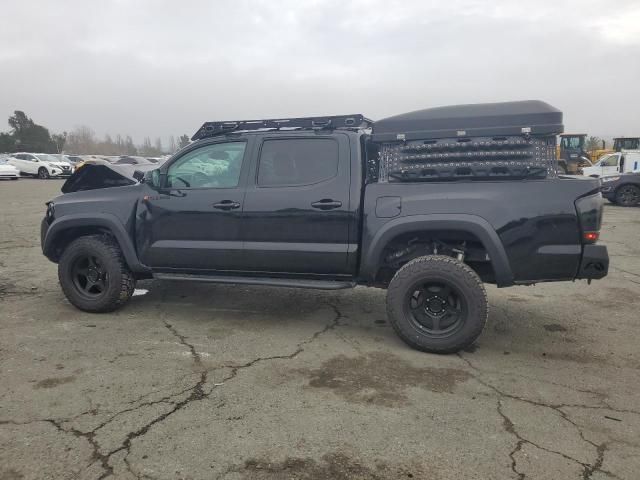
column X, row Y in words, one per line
column 41, row 165
column 8, row 171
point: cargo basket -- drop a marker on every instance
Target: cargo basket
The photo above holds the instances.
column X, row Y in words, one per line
column 478, row 142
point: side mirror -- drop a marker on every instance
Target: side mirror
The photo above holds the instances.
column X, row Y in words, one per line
column 155, row 179
column 139, row 176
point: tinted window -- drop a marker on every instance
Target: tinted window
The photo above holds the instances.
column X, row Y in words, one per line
column 290, row 162
column 213, row 166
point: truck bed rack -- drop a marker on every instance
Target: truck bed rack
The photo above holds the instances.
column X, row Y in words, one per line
column 344, row 122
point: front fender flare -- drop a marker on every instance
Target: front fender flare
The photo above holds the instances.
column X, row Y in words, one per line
column 101, row 220
column 473, row 224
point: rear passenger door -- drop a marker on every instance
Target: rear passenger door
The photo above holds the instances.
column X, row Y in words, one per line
column 296, row 214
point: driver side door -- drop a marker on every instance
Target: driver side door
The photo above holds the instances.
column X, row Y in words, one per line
column 193, row 223
column 610, row 166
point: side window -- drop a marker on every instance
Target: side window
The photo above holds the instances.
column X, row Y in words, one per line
column 290, row 162
column 612, row 161
column 212, row 166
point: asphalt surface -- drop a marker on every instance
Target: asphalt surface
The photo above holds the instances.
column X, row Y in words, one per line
column 205, row 382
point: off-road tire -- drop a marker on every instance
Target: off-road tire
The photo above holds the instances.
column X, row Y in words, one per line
column 627, row 196
column 445, row 270
column 43, row 173
column 120, row 284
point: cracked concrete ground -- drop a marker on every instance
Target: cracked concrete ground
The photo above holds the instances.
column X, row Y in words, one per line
column 201, row 382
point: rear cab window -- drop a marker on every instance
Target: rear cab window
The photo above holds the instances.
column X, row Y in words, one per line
column 297, row 161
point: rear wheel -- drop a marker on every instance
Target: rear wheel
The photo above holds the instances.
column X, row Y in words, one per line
column 43, row 173
column 437, row 304
column 93, row 274
column 628, row 196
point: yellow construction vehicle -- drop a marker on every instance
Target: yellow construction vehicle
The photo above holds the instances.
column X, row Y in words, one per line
column 571, row 154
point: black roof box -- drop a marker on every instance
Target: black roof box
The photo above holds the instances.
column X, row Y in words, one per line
column 481, row 119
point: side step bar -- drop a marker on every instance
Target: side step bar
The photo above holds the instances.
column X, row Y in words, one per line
column 274, row 282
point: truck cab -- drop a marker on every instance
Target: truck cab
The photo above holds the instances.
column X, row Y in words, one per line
column 626, row 161
column 626, row 143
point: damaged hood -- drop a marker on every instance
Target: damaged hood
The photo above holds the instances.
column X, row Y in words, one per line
column 94, row 176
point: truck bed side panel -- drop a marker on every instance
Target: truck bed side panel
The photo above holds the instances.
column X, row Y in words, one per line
column 535, row 220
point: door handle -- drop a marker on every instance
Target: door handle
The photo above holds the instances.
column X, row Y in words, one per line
column 226, row 205
column 326, row 204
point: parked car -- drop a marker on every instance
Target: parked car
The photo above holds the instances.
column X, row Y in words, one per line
column 428, row 205
column 41, row 165
column 73, row 159
column 626, row 161
column 134, row 160
column 623, row 190
column 8, row 171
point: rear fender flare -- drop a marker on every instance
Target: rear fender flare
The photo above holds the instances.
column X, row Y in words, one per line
column 473, row 224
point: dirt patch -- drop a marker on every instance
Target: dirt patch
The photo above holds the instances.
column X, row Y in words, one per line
column 518, row 299
column 554, row 327
column 380, row 379
column 54, row 382
column 11, row 475
column 334, row 466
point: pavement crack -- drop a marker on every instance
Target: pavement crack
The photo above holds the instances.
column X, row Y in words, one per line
column 509, row 426
column 235, row 369
column 197, row 393
column 197, row 360
column 96, row 455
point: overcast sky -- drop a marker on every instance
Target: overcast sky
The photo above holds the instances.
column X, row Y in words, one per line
column 157, row 68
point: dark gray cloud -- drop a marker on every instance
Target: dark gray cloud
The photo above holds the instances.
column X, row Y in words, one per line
column 156, row 68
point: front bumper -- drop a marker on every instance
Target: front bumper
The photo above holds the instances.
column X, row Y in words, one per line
column 594, row 263
column 608, row 192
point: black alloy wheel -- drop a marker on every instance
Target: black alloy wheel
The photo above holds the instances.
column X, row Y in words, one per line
column 628, row 196
column 89, row 276
column 436, row 308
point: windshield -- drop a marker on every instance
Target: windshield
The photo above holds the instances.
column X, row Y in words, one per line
column 572, row 143
column 626, row 144
column 47, row 158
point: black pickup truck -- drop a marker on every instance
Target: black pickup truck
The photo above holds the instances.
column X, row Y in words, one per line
column 428, row 205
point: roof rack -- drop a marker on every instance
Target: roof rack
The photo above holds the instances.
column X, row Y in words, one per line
column 344, row 122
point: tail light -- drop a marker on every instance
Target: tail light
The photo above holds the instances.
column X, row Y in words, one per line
column 590, row 217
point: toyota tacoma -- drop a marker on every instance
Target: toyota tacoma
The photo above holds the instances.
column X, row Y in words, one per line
column 429, row 205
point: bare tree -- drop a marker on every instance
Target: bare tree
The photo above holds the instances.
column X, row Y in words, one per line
column 594, row 143
column 81, row 140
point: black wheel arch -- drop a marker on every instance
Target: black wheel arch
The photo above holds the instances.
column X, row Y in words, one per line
column 472, row 224
column 69, row 227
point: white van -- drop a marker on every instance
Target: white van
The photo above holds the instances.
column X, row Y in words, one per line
column 626, row 161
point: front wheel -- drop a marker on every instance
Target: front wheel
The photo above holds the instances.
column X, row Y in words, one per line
column 93, row 274
column 43, row 173
column 437, row 304
column 628, row 196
